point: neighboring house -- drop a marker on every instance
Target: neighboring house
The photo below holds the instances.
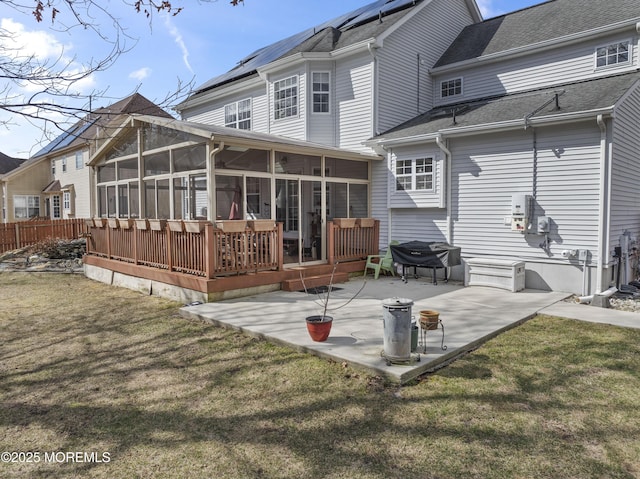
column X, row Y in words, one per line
column 514, row 138
column 532, row 149
column 55, row 182
column 7, row 164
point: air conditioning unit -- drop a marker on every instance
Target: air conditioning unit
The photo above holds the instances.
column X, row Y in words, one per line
column 497, row 273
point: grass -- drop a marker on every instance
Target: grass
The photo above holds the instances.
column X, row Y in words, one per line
column 90, row 368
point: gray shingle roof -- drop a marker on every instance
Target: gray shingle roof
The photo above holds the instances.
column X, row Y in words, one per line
column 7, row 163
column 573, row 98
column 546, row 21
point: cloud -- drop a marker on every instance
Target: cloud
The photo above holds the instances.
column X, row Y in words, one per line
column 17, row 42
column 140, row 74
column 177, row 38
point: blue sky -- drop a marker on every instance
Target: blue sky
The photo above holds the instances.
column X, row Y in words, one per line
column 203, row 41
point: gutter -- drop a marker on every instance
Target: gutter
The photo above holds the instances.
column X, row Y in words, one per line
column 447, row 174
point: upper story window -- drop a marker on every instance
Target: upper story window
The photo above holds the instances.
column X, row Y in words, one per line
column 238, row 115
column 320, row 92
column 53, row 167
column 79, row 162
column 414, row 175
column 451, row 87
column 285, row 98
column 64, row 165
column 613, row 54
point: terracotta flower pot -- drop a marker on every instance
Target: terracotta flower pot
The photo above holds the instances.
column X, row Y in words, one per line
column 429, row 319
column 319, row 327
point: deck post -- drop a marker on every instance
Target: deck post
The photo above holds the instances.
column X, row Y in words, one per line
column 280, row 246
column 167, row 230
column 209, row 251
column 331, row 243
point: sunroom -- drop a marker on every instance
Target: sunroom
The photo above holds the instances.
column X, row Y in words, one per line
column 214, row 202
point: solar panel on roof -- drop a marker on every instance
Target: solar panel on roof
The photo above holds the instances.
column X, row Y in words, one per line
column 272, row 52
column 65, row 139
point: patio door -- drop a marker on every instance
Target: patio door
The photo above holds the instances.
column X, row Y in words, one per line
column 299, row 207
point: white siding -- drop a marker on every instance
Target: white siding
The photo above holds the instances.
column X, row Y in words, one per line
column 416, row 199
column 322, row 125
column 379, row 179
column 536, row 70
column 563, row 178
column 354, row 80
column 625, row 198
column 212, row 113
column 79, row 178
column 408, row 54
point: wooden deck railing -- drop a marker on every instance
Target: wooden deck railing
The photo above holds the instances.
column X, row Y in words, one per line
column 187, row 247
column 352, row 239
column 199, row 248
column 26, row 233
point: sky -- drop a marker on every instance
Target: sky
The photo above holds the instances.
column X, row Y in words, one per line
column 207, row 38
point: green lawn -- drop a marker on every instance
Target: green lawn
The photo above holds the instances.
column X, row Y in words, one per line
column 99, row 370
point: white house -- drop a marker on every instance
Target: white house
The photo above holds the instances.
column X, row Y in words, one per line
column 514, row 138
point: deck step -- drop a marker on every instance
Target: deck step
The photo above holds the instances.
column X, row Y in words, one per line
column 313, row 281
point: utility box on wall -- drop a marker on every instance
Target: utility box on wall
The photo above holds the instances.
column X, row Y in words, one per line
column 497, row 273
column 520, row 212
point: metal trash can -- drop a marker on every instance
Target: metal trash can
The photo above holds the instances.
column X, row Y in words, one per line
column 397, row 329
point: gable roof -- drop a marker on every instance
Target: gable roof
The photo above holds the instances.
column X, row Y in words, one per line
column 579, row 99
column 360, row 24
column 7, row 163
column 88, row 127
column 554, row 19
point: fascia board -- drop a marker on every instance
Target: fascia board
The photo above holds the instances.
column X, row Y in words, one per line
column 538, row 47
column 218, row 92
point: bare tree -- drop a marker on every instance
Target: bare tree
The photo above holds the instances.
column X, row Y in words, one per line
column 44, row 90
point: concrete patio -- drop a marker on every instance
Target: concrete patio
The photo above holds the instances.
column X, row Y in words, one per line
column 470, row 316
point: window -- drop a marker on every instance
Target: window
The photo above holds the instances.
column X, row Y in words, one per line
column 79, row 162
column 320, row 92
column 285, row 98
column 238, row 115
column 55, row 210
column 451, row 87
column 64, row 165
column 25, row 206
column 414, row 175
column 613, row 54
column 53, row 167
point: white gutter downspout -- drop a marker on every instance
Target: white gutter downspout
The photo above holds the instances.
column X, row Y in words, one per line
column 447, row 174
column 602, row 203
column 5, row 202
column 374, row 90
column 211, row 212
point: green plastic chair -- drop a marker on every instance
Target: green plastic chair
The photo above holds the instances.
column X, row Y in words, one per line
column 380, row 262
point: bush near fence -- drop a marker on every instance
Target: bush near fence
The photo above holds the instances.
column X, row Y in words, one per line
column 27, row 233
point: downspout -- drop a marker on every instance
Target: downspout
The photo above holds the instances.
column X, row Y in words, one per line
column 374, row 88
column 5, row 203
column 602, row 204
column 447, row 186
column 211, row 184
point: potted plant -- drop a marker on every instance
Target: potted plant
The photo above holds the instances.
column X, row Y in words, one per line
column 319, row 325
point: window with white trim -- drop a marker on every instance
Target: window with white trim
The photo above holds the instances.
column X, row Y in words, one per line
column 320, row 90
column 26, row 206
column 451, row 87
column 414, row 175
column 613, row 54
column 55, row 207
column 285, row 98
column 66, row 201
column 53, row 167
column 238, row 115
column 79, row 160
column 64, row 165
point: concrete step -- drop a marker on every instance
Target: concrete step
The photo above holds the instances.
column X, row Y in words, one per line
column 296, row 284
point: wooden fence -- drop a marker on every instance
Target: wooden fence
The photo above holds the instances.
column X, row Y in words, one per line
column 26, row 233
